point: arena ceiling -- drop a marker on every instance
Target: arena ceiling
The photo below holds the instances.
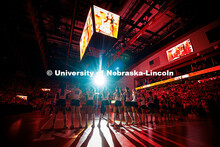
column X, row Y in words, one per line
column 37, row 32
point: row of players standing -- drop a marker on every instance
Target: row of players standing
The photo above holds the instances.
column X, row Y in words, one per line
column 127, row 100
column 75, row 96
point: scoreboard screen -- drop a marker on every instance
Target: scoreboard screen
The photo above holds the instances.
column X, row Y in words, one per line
column 87, row 34
column 179, row 50
column 106, row 22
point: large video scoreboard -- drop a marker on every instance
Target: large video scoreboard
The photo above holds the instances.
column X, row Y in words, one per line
column 100, row 29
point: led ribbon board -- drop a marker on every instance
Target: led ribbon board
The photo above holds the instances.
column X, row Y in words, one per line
column 212, row 69
column 179, row 50
column 106, row 22
column 87, row 34
column 46, row 89
column 22, row 97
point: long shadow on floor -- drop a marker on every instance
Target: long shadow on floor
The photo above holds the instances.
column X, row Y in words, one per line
column 139, row 138
column 85, row 143
column 115, row 140
column 104, row 141
column 134, row 142
column 78, row 138
column 155, row 138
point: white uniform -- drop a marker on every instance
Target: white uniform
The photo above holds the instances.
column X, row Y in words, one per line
column 105, row 96
column 75, row 93
column 90, row 95
column 117, row 96
column 134, row 97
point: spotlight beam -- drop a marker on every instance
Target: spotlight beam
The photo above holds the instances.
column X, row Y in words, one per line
column 99, row 80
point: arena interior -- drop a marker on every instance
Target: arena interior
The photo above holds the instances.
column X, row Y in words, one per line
column 118, row 73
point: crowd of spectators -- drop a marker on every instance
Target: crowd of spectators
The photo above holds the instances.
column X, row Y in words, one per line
column 200, row 97
column 181, row 71
column 8, row 96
